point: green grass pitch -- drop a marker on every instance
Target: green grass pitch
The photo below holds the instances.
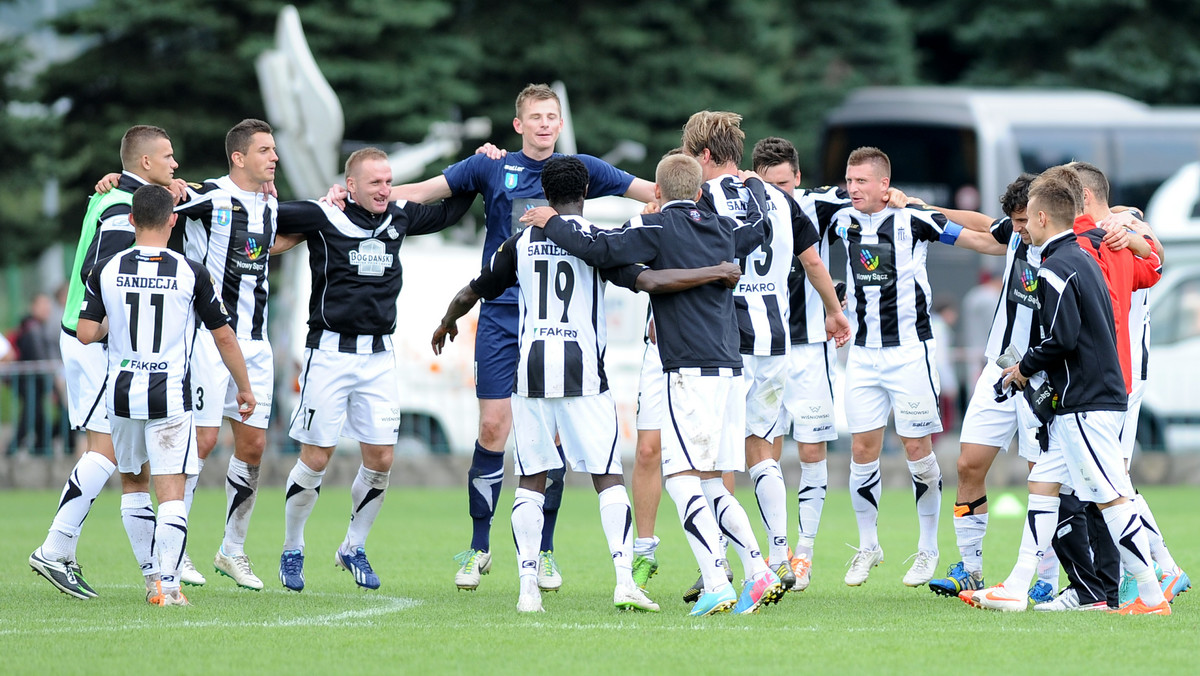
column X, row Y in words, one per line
column 419, row 623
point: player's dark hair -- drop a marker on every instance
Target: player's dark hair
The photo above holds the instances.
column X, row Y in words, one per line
column 1016, row 195
column 1093, row 179
column 564, row 180
column 133, row 143
column 772, row 151
column 238, row 138
column 151, row 209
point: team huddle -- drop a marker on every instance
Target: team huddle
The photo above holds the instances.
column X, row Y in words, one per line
column 740, row 346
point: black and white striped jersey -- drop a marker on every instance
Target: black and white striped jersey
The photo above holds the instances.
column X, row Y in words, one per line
column 807, row 309
column 761, row 296
column 1015, row 321
column 696, row 328
column 231, row 232
column 1139, row 334
column 889, row 294
column 563, row 333
column 354, row 258
column 152, row 298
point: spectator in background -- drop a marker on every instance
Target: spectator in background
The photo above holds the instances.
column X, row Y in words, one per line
column 943, row 322
column 978, row 309
column 32, row 344
column 53, row 327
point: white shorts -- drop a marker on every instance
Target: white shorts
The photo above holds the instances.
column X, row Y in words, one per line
column 808, row 395
column 1132, row 414
column 1085, row 454
column 766, row 377
column 651, row 384
column 168, row 444
column 357, row 395
column 706, row 415
column 991, row 423
column 85, row 368
column 214, row 394
column 902, row 380
column 586, row 426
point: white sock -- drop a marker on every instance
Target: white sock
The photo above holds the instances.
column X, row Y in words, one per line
column 700, row 528
column 645, row 546
column 137, row 514
column 527, row 521
column 366, row 496
column 170, row 539
column 1158, row 548
column 1040, row 519
column 969, row 530
column 189, row 487
column 734, row 523
column 1125, row 526
column 87, row 479
column 927, row 488
column 303, row 489
column 814, row 482
column 616, row 516
column 1047, row 570
column 241, row 489
column 864, row 498
column 771, row 493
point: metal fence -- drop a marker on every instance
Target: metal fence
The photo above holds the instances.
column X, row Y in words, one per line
column 33, row 409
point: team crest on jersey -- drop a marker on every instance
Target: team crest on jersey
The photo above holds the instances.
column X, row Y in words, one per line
column 371, row 258
column 510, row 180
column 224, row 216
column 694, row 214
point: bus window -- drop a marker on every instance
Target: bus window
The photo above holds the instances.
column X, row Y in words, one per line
column 1041, row 149
column 1146, row 158
column 936, row 163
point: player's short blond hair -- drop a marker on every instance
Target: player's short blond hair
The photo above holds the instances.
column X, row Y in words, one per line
column 536, row 92
column 362, row 155
column 718, row 131
column 1058, row 192
column 678, row 177
column 1071, row 180
column 873, row 156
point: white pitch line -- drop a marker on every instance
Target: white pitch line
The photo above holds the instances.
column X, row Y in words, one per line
column 344, row 618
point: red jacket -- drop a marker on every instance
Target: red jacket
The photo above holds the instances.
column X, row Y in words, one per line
column 1124, row 273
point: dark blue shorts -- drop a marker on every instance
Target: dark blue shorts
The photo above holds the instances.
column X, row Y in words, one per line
column 496, row 350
